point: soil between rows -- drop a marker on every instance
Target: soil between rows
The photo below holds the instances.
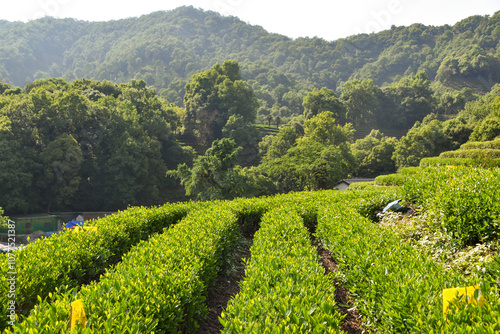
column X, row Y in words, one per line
column 227, row 286
column 353, row 320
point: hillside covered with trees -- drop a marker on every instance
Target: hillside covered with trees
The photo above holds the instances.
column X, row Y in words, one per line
column 105, row 110
column 167, row 48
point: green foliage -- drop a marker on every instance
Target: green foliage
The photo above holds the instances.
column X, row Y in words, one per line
column 493, row 144
column 318, row 160
column 324, row 99
column 399, row 290
column 438, row 161
column 410, row 98
column 463, row 199
column 72, row 257
column 472, row 154
column 165, row 48
column 246, row 136
column 212, row 97
column 423, row 140
column 216, row 174
column 486, row 130
column 161, row 283
column 395, row 179
column 362, row 101
column 285, row 289
column 475, row 154
column 374, row 154
column 458, row 130
column 87, row 145
column 397, row 287
column 3, row 219
column 273, row 147
column 361, row 185
column 62, row 159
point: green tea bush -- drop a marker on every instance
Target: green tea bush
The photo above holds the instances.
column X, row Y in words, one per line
column 475, row 154
column 494, row 144
column 361, row 185
column 437, row 161
column 396, row 287
column 463, row 199
column 285, row 289
column 469, row 162
column 72, row 258
column 160, row 286
column 395, row 179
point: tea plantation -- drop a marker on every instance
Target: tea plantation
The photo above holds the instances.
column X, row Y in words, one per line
column 148, row 270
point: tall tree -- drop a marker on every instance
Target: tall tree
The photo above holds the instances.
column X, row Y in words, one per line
column 426, row 139
column 374, row 154
column 410, row 99
column 324, row 99
column 212, row 97
column 361, row 99
column 62, row 159
column 214, row 175
column 317, row 160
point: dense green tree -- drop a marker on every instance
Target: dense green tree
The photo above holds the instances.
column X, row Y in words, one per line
column 214, row 175
column 374, row 154
column 273, row 147
column 166, row 48
column 85, row 146
column 324, row 99
column 458, row 130
column 411, row 99
column 246, row 136
column 486, row 130
column 426, row 139
column 3, row 219
column 212, row 97
column 317, row 160
column 361, row 99
column 18, row 166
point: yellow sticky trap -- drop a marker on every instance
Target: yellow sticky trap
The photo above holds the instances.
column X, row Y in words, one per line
column 79, row 229
column 451, row 167
column 466, row 294
column 77, row 314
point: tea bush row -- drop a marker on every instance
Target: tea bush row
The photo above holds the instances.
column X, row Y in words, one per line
column 395, row 179
column 285, row 289
column 398, row 289
column 476, row 154
column 464, row 200
column 493, row 144
column 160, row 286
column 70, row 258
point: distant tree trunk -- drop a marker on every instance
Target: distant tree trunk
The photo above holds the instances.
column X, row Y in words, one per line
column 269, row 119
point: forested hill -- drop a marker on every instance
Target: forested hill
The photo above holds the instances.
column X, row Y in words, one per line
column 166, row 48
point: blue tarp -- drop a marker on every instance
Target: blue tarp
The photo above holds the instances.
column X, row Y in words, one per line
column 74, row 223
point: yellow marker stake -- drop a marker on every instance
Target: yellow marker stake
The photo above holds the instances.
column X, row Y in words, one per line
column 77, row 314
column 465, row 294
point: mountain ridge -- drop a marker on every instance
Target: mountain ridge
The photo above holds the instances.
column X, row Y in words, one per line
column 165, row 48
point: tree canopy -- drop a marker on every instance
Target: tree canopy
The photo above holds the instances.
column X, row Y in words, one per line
column 87, row 145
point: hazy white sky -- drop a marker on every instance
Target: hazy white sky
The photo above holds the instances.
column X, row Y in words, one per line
column 329, row 19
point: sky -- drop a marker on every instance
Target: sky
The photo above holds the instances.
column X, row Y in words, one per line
column 328, row 19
